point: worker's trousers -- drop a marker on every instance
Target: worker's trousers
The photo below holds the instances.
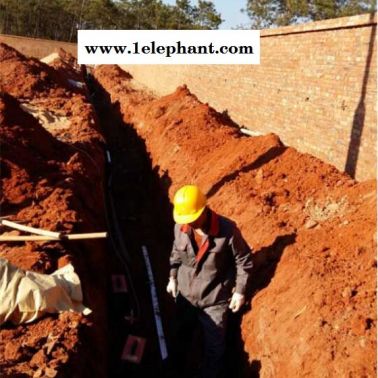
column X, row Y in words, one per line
column 213, row 321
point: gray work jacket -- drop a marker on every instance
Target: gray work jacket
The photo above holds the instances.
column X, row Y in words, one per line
column 222, row 262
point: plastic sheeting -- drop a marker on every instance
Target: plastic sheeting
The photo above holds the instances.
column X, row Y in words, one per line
column 26, row 295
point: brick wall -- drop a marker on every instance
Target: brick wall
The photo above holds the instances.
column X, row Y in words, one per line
column 35, row 47
column 315, row 88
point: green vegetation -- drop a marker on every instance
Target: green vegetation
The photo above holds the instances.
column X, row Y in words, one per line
column 59, row 19
column 267, row 13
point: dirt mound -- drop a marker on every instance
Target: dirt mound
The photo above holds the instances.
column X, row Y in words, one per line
column 52, row 181
column 317, row 316
column 41, row 349
column 311, row 228
column 67, row 66
column 114, row 76
column 33, row 77
column 47, row 94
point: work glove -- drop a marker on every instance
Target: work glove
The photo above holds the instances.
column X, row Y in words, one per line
column 172, row 287
column 237, row 301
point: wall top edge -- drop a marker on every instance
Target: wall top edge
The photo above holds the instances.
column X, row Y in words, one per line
column 334, row 23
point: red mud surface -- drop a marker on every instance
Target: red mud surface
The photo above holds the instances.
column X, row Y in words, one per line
column 67, row 65
column 311, row 228
column 52, row 179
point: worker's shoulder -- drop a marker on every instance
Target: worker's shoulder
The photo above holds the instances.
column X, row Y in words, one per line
column 226, row 226
column 177, row 227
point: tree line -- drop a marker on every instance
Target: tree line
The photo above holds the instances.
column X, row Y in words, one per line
column 268, row 13
column 60, row 19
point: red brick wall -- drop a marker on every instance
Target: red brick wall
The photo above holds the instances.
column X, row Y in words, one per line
column 315, row 88
column 35, row 47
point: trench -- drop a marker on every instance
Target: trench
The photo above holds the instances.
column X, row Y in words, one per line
column 139, row 214
column 137, row 217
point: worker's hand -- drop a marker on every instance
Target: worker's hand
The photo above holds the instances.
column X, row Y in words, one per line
column 172, row 287
column 237, row 301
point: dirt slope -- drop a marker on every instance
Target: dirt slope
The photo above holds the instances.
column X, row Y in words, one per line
column 51, row 177
column 311, row 228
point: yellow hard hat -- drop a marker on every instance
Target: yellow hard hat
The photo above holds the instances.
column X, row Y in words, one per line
column 189, row 203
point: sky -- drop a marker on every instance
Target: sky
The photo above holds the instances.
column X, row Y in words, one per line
column 230, row 11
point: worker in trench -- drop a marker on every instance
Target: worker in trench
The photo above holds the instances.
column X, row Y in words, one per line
column 210, row 267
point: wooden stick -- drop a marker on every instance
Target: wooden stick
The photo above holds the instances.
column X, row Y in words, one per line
column 94, row 235
column 249, row 132
column 25, row 238
column 32, row 230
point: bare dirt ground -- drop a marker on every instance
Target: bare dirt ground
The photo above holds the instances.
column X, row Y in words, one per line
column 311, row 227
column 52, row 178
column 36, row 47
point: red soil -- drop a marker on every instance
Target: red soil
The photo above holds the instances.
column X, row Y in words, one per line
column 53, row 183
column 311, row 228
column 33, row 78
column 67, row 65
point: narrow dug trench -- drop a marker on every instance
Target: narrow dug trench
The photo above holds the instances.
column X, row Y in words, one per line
column 141, row 214
column 137, row 219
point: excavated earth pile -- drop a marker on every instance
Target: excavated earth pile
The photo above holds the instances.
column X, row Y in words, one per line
column 52, row 169
column 310, row 226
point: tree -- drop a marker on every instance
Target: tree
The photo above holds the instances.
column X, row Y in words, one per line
column 183, row 14
column 60, row 19
column 202, row 16
column 206, row 15
column 267, row 13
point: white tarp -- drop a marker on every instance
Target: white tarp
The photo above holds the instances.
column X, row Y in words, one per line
column 25, row 295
